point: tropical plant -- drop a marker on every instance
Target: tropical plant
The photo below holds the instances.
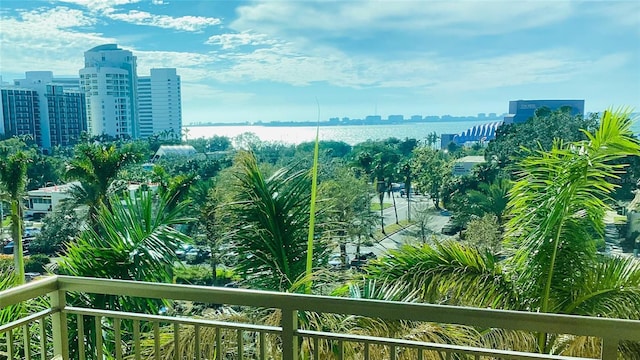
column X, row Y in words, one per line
column 96, row 165
column 135, row 239
column 13, row 171
column 539, row 131
column 430, row 169
column 484, row 233
column 490, row 198
column 349, row 201
column 555, row 207
column 60, row 227
column 268, row 222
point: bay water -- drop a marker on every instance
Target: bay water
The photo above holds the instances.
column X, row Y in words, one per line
column 351, row 134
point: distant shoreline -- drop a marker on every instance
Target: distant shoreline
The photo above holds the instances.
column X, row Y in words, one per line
column 349, row 123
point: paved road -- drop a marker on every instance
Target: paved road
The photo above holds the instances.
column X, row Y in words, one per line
column 407, row 235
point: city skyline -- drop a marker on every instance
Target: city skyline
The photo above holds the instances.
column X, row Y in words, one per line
column 276, row 61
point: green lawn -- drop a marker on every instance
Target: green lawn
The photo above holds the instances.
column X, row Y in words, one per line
column 376, row 206
column 390, row 229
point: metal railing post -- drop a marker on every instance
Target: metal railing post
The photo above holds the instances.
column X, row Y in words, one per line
column 609, row 349
column 289, row 334
column 59, row 324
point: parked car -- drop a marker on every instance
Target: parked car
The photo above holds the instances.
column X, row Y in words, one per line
column 361, row 260
column 336, row 261
column 182, row 251
column 450, row 229
column 8, row 247
column 197, row 255
column 31, row 232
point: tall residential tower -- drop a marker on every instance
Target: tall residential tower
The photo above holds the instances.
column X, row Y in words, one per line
column 50, row 110
column 109, row 81
column 159, row 103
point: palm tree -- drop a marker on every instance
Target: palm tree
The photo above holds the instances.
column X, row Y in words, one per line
column 13, row 176
column 135, row 239
column 555, row 208
column 268, row 222
column 490, row 198
column 96, row 166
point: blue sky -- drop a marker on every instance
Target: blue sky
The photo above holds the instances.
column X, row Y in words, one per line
column 271, row 60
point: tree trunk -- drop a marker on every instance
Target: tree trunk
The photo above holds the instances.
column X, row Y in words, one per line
column 16, row 232
column 395, row 209
column 343, row 254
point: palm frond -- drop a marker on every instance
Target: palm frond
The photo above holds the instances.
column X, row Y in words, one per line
column 445, row 272
column 557, row 206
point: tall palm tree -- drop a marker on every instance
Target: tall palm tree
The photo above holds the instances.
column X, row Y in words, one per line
column 13, row 177
column 96, row 166
column 268, row 222
column 135, row 239
column 555, row 207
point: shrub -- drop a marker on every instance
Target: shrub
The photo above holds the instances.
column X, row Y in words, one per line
column 6, row 263
column 201, row 275
column 36, row 263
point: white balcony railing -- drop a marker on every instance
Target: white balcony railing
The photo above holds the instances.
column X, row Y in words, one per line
column 45, row 332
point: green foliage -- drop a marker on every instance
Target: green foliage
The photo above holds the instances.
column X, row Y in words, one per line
column 336, row 149
column 484, row 233
column 555, row 207
column 538, row 132
column 43, row 170
column 268, row 220
column 202, row 275
column 59, row 228
column 557, row 203
column 6, row 263
column 430, row 169
column 13, row 178
column 489, row 199
column 96, row 165
column 430, row 270
column 36, row 263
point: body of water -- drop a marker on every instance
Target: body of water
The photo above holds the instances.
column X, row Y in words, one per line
column 350, row 134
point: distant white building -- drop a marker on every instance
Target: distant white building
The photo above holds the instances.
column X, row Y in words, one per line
column 44, row 200
column 463, row 165
column 109, row 80
column 174, row 151
column 159, row 103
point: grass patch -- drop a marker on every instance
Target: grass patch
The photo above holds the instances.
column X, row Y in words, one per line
column 376, row 206
column 391, row 229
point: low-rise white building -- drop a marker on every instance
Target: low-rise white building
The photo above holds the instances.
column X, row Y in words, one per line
column 42, row 201
column 463, row 165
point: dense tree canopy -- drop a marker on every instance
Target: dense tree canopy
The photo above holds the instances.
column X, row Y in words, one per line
column 538, row 132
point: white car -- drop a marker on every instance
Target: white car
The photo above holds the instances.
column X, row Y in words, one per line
column 335, row 261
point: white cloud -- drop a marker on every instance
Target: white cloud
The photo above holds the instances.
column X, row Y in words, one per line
column 230, row 41
column 99, row 5
column 47, row 38
column 184, row 23
column 352, row 18
column 109, row 9
column 624, row 14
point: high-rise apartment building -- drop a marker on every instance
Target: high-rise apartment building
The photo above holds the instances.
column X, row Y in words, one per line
column 159, row 103
column 20, row 108
column 46, row 108
column 109, row 81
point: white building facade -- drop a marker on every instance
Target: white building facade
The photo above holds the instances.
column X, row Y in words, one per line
column 109, row 80
column 159, row 103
